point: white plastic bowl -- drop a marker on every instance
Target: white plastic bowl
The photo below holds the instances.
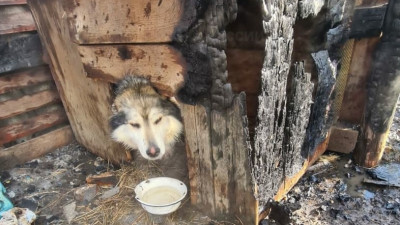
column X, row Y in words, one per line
column 160, row 195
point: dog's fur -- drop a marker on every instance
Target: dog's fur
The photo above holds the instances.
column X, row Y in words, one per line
column 143, row 119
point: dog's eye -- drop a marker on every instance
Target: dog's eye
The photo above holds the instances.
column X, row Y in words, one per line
column 157, row 121
column 135, row 125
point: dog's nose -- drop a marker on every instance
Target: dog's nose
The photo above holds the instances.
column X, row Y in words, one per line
column 153, row 151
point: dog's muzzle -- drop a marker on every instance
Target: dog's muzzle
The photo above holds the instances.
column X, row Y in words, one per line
column 153, row 151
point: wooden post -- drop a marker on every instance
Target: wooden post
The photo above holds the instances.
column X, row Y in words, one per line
column 383, row 90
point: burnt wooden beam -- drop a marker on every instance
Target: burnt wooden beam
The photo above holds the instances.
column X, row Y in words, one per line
column 383, row 89
column 367, row 21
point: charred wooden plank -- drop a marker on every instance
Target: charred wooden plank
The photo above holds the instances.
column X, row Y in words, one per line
column 267, row 165
column 162, row 64
column 14, row 19
column 87, row 102
column 24, row 78
column 35, row 147
column 20, row 51
column 31, row 126
column 93, row 22
column 26, row 103
column 367, row 22
column 383, row 89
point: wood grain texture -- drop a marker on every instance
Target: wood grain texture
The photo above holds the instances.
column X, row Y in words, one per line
column 12, row 2
column 27, row 103
column 162, row 64
column 20, row 51
column 31, row 126
column 125, row 21
column 343, row 139
column 24, row 78
column 86, row 101
column 35, row 147
column 14, row 19
column 355, row 94
column 383, row 90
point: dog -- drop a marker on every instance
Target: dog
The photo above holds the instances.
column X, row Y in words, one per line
column 143, row 119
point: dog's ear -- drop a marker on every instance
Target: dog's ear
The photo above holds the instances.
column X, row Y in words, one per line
column 117, row 120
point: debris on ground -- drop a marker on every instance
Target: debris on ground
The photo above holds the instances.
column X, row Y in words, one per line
column 18, row 216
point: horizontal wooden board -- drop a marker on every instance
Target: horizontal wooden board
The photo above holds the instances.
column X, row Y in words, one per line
column 12, row 2
column 27, row 103
column 18, row 51
column 35, row 147
column 123, row 21
column 162, row 64
column 16, row 18
column 31, row 126
column 343, row 139
column 24, row 78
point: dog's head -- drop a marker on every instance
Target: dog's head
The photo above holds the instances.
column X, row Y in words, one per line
column 144, row 120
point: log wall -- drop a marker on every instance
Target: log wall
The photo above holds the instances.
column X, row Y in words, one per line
column 32, row 119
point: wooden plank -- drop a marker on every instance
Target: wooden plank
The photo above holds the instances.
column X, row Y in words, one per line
column 383, row 90
column 354, row 98
column 27, row 103
column 24, row 78
column 31, row 126
column 14, row 19
column 162, row 64
column 12, row 2
column 86, row 101
column 20, row 51
column 35, row 147
column 124, row 21
column 343, row 139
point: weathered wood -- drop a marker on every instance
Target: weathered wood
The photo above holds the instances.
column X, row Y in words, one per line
column 35, row 147
column 14, row 19
column 12, row 2
column 20, row 51
column 355, row 93
column 343, row 139
column 31, row 126
column 383, row 89
column 24, row 78
column 162, row 64
column 27, row 103
column 86, row 101
column 125, row 21
column 266, row 165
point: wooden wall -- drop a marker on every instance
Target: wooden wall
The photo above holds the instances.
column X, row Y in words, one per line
column 32, row 118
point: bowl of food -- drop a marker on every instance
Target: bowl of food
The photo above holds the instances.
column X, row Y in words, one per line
column 160, row 195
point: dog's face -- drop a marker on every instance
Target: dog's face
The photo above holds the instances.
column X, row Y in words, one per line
column 147, row 125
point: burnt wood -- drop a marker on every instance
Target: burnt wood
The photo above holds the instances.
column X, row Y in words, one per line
column 383, row 89
column 20, row 51
column 367, row 22
column 25, row 78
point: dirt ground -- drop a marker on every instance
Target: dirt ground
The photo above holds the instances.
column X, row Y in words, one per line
column 333, row 192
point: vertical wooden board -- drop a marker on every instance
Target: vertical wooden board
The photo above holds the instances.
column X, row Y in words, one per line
column 162, row 64
column 222, row 160
column 14, row 19
column 86, row 101
column 123, row 21
column 203, row 126
column 355, row 93
column 192, row 151
column 243, row 203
